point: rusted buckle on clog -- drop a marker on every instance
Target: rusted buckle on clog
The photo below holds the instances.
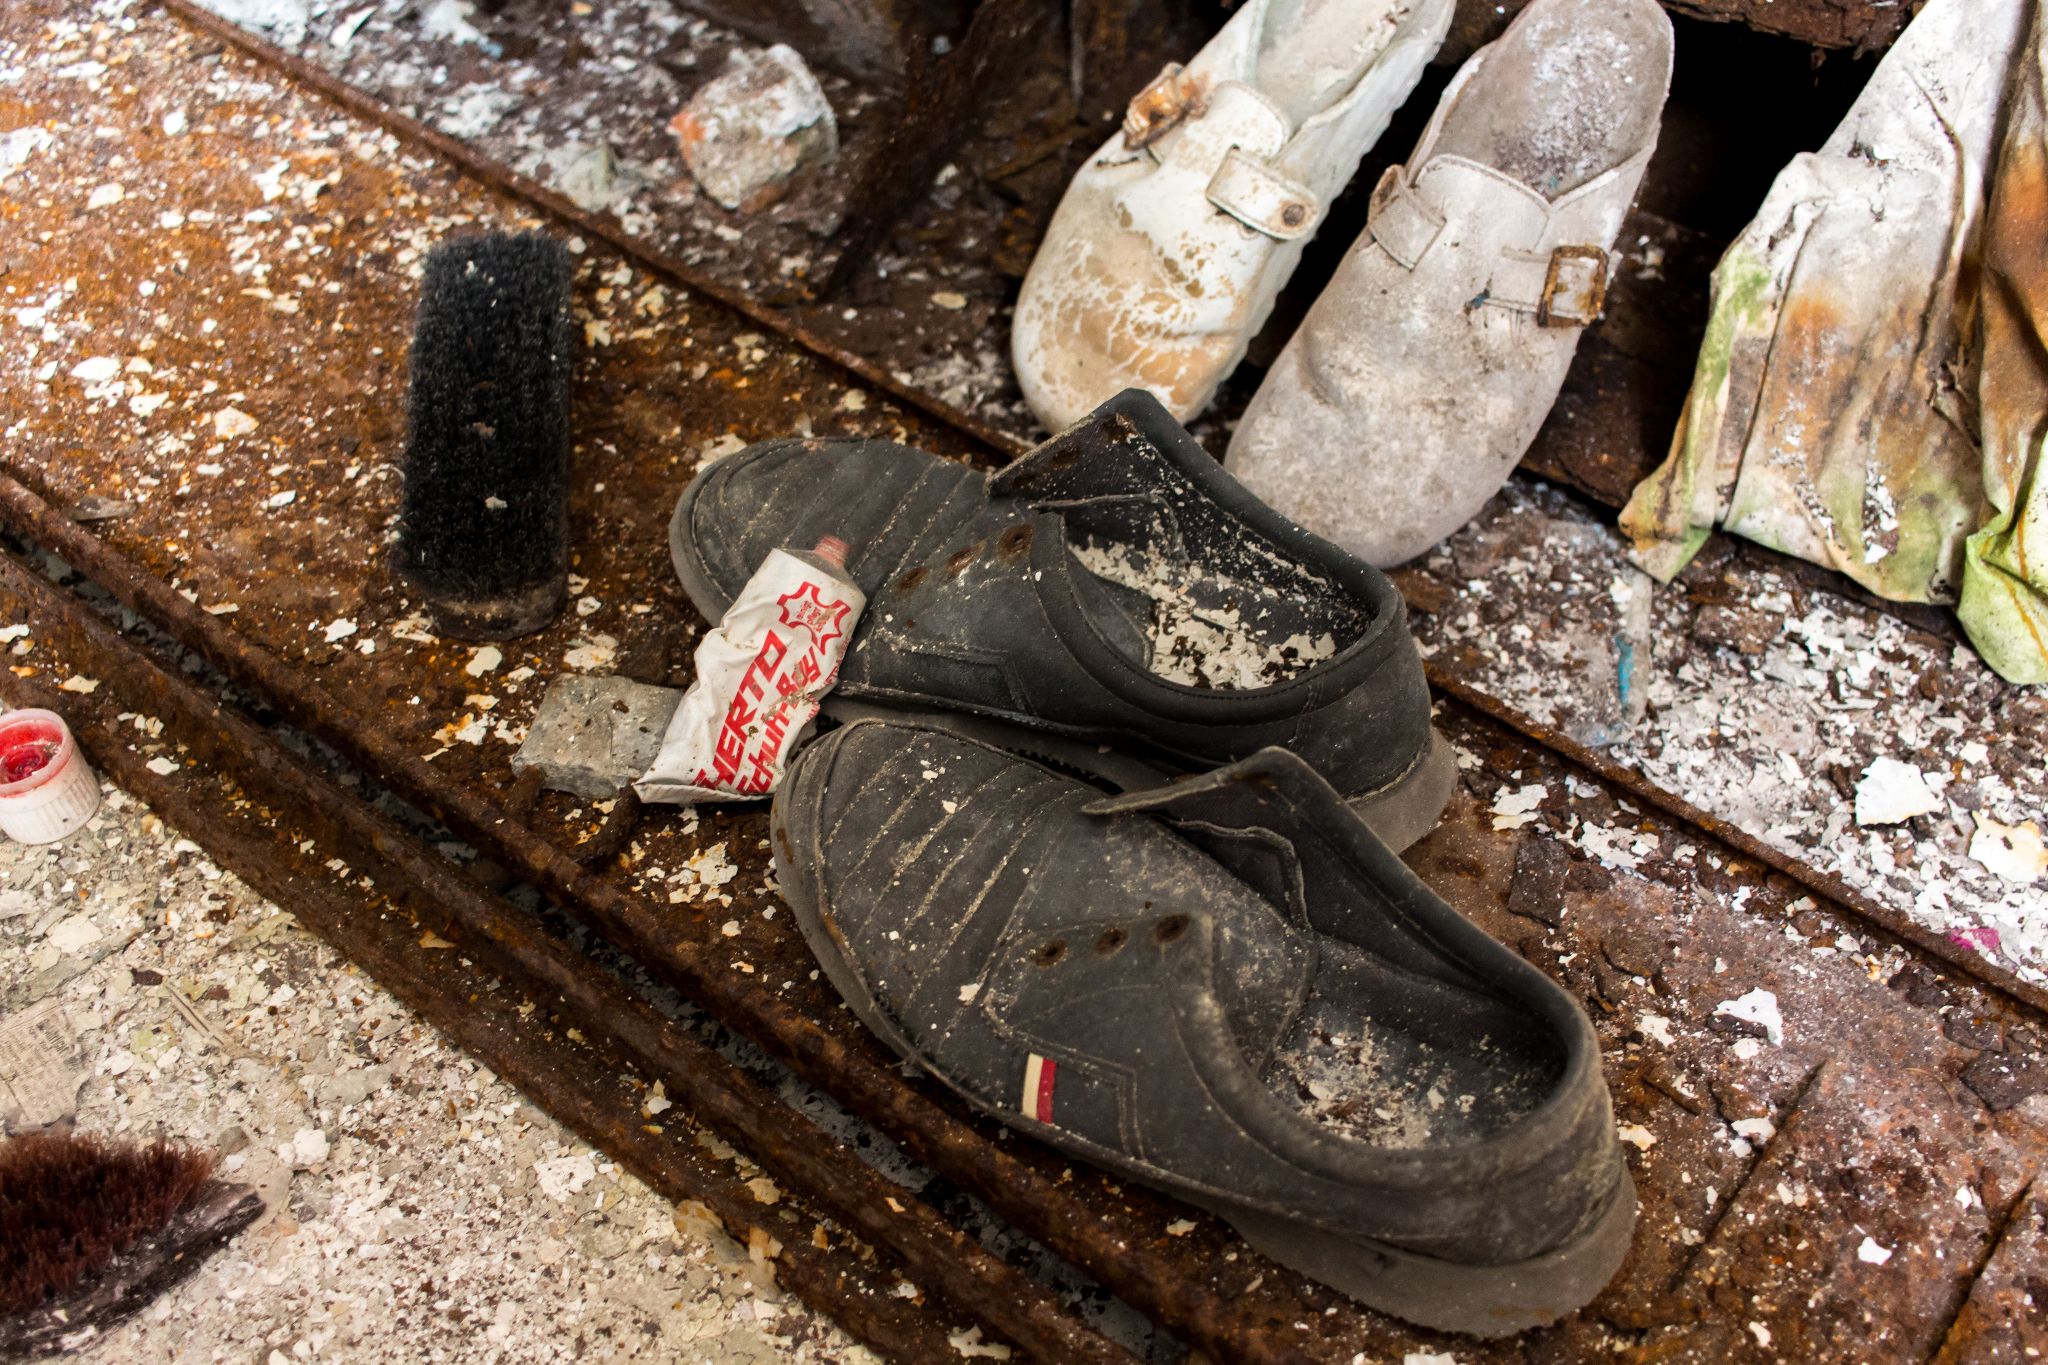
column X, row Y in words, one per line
column 1574, row 288
column 1160, row 106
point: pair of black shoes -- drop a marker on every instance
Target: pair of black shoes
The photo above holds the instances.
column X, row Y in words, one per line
column 1223, row 983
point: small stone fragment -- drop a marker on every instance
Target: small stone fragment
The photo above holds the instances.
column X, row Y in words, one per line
column 2002, row 1080
column 593, row 736
column 229, row 423
column 746, row 134
column 1541, row 866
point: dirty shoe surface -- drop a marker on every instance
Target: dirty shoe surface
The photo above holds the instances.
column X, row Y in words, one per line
column 1164, row 258
column 1114, row 587
column 1227, row 988
column 1423, row 372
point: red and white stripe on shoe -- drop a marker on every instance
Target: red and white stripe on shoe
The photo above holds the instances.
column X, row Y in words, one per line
column 1038, row 1081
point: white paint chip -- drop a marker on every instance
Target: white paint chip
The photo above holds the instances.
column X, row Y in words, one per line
column 74, row 935
column 1870, row 1253
column 1514, row 809
column 561, row 1178
column 2014, row 852
column 309, row 1147
column 485, row 660
column 96, row 369
column 1892, row 792
column 1758, row 1007
column 230, row 423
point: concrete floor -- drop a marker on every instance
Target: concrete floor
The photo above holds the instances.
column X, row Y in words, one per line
column 418, row 1208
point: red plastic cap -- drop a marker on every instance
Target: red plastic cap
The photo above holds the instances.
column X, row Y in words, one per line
column 832, row 549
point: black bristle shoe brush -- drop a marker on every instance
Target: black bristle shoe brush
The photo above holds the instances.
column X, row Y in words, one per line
column 483, row 531
column 91, row 1231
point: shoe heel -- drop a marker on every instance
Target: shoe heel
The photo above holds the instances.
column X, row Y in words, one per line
column 1402, row 813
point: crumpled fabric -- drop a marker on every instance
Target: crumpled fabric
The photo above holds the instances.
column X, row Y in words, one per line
column 2004, row 603
column 1872, row 390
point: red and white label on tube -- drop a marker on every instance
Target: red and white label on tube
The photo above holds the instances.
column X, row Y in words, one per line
column 761, row 674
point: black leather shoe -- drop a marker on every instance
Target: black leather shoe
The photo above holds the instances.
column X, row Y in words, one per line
column 1230, row 989
column 1114, row 586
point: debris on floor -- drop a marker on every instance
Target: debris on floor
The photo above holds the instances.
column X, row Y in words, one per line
column 1786, row 710
column 418, row 1207
column 748, row 132
column 594, row 735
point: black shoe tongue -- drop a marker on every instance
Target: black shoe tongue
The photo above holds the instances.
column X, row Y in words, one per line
column 1123, row 615
column 1248, row 881
column 1263, row 970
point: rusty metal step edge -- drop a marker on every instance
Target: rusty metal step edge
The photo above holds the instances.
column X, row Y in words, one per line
column 788, row 1146
column 1830, row 889
column 474, row 164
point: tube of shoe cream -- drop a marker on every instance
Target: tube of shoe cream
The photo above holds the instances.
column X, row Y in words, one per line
column 761, row 674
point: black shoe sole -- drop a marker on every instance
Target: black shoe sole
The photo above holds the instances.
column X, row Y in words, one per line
column 1476, row 1300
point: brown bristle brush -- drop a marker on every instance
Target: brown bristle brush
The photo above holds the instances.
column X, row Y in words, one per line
column 91, row 1231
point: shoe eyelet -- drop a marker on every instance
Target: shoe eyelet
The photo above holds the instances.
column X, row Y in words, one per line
column 961, row 558
column 1169, row 929
column 909, row 580
column 1111, row 941
column 1049, row 955
column 1014, row 541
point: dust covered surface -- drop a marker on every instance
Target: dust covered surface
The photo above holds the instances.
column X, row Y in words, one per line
column 1195, row 627
column 1384, row 1089
column 579, row 97
column 1750, row 693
